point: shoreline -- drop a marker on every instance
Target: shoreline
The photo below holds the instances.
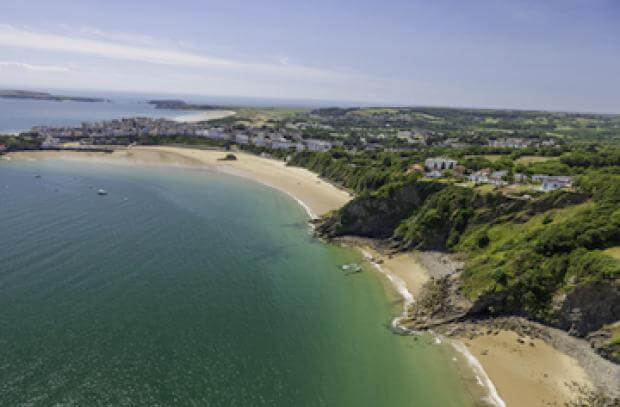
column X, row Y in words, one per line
column 556, row 369
column 313, row 194
column 397, row 270
column 406, row 272
column 203, row 116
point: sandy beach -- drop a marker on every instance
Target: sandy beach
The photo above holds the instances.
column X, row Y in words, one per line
column 203, row 115
column 528, row 372
column 531, row 373
column 317, row 197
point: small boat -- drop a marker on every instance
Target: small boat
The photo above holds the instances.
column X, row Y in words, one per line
column 354, row 268
column 102, row 192
column 37, row 176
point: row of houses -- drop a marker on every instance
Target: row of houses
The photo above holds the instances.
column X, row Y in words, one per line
column 108, row 132
column 436, row 166
column 499, row 178
column 510, row 142
column 488, row 176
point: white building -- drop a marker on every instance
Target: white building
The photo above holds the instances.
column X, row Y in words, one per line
column 242, row 138
column 281, row 144
column 552, row 183
column 439, row 163
column 318, row 145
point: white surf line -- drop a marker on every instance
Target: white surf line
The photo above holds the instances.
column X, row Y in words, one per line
column 309, row 211
column 241, row 173
column 400, row 286
column 482, row 377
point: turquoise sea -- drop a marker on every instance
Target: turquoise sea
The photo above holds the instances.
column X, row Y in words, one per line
column 192, row 288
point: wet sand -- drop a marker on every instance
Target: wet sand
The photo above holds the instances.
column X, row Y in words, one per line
column 531, row 373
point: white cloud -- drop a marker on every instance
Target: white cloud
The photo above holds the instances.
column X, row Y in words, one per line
column 34, row 68
column 14, row 37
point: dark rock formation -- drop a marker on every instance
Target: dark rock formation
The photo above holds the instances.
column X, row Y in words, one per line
column 588, row 308
column 377, row 216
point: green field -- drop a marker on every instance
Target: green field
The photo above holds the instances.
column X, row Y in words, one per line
column 530, row 159
column 490, row 157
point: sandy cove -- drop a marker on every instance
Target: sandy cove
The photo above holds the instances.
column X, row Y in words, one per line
column 525, row 371
column 524, row 375
column 317, row 196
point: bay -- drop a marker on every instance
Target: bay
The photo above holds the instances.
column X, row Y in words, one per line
column 191, row 288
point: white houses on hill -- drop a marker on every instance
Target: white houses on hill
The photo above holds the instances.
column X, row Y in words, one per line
column 439, row 163
column 551, row 183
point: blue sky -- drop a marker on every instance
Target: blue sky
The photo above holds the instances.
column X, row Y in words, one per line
column 543, row 54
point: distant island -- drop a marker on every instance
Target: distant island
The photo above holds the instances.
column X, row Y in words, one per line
column 24, row 94
column 175, row 104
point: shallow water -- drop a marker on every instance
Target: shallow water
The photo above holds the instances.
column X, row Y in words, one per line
column 186, row 287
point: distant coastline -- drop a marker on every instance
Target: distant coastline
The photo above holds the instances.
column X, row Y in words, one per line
column 175, row 104
column 203, row 116
column 24, row 94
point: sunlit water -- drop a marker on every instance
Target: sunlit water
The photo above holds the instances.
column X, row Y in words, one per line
column 184, row 288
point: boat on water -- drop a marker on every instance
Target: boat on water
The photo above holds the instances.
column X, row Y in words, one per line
column 354, row 268
column 102, row 192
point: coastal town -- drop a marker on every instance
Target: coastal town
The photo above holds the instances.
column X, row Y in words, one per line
column 318, row 131
column 128, row 131
column 326, row 203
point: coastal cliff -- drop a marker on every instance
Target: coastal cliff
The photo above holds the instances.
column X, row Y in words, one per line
column 377, row 215
column 536, row 258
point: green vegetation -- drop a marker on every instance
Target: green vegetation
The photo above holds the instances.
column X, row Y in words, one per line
column 260, row 116
column 553, row 252
column 523, row 254
column 529, row 252
column 476, row 126
column 25, row 141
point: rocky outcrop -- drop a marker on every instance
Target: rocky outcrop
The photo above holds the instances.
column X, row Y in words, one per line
column 587, row 308
column 439, row 304
column 605, row 342
column 378, row 215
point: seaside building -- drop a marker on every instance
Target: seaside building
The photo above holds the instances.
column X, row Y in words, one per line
column 318, row 145
column 439, row 163
column 551, row 183
column 509, row 143
column 281, row 144
column 519, row 177
column 481, row 176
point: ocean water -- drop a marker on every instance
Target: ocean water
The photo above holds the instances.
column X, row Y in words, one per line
column 22, row 114
column 192, row 288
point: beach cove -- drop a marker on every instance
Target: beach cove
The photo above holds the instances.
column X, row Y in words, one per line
column 407, row 272
column 185, row 286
